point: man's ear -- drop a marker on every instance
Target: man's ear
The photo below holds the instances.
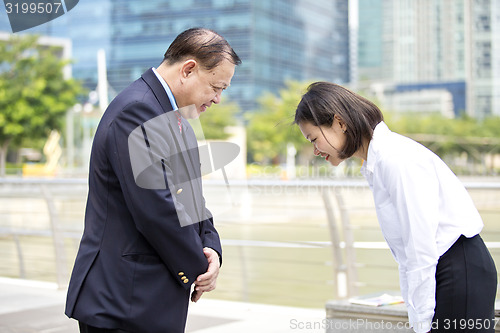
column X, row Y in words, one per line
column 188, row 67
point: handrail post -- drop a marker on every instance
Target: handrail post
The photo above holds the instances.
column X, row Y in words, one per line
column 244, row 273
column 20, row 257
column 352, row 274
column 58, row 239
column 339, row 269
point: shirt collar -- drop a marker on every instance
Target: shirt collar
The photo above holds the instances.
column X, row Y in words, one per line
column 167, row 89
column 380, row 131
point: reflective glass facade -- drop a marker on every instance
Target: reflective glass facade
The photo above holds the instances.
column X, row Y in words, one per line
column 87, row 26
column 370, row 37
column 434, row 41
column 277, row 40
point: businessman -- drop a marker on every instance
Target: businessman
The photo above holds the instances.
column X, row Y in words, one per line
column 148, row 236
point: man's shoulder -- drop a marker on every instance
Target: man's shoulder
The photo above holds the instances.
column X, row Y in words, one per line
column 137, row 93
column 135, row 104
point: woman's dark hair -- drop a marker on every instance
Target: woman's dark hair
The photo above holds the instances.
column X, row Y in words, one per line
column 324, row 100
column 204, row 45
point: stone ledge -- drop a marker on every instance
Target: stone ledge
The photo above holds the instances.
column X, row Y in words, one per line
column 344, row 316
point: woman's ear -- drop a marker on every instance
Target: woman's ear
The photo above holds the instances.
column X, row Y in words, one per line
column 342, row 124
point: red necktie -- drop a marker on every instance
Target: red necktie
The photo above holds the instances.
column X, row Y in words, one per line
column 179, row 122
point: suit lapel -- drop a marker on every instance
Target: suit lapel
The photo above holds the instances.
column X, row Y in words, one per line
column 161, row 95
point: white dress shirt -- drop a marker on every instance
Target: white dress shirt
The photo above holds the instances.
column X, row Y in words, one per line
column 167, row 89
column 422, row 209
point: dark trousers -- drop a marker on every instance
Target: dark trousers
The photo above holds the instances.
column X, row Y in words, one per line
column 84, row 328
column 466, row 286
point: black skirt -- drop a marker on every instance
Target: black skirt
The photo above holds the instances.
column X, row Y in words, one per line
column 466, row 286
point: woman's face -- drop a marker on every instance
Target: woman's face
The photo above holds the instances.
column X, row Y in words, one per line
column 327, row 141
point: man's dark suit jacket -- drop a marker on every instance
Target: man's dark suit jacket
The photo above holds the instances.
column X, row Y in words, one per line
column 140, row 251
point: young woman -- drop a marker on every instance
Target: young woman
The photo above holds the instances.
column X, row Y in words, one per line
column 447, row 276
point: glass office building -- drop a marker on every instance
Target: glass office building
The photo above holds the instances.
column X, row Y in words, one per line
column 434, row 43
column 370, row 39
column 276, row 40
column 87, row 26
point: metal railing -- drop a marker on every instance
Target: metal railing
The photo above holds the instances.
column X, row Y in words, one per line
column 278, row 237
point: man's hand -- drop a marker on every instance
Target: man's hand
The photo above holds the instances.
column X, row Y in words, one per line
column 206, row 282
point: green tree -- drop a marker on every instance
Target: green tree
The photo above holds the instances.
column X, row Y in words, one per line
column 34, row 95
column 450, row 137
column 269, row 129
column 217, row 118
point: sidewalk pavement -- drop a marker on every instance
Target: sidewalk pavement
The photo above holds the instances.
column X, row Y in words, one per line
column 38, row 307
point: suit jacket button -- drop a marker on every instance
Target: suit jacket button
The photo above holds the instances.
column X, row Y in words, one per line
column 180, row 273
column 179, row 191
column 185, row 280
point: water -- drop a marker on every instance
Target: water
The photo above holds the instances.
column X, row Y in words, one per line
column 275, row 239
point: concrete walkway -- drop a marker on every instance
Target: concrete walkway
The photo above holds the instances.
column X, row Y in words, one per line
column 38, row 307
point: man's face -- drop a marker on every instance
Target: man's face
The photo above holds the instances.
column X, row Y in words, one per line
column 203, row 87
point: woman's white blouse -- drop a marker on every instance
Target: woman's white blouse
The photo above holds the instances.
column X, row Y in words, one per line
column 422, row 209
